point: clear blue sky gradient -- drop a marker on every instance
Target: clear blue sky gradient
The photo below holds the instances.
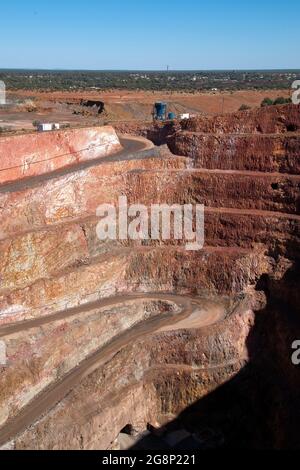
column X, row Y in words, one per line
column 150, row 34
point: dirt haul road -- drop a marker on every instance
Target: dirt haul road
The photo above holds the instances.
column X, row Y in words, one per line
column 193, row 313
column 132, row 147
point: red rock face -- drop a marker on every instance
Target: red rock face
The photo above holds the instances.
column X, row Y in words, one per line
column 268, row 120
column 263, row 140
column 109, row 365
column 35, row 154
column 261, row 153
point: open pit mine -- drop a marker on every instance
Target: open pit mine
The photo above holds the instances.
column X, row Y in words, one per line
column 144, row 344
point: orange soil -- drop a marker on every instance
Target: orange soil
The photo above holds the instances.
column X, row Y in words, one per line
column 209, row 102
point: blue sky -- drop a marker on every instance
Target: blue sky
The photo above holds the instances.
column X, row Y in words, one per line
column 150, row 34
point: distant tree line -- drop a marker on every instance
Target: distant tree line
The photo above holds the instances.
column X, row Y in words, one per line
column 189, row 81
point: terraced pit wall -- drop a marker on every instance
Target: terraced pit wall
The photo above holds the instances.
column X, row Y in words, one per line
column 234, row 377
column 34, row 154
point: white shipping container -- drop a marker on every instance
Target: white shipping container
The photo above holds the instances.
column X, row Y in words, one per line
column 184, row 116
column 45, row 127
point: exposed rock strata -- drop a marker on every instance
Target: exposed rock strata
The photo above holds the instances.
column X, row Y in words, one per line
column 234, row 377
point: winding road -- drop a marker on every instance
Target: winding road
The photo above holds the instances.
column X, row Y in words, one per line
column 132, row 148
column 193, row 313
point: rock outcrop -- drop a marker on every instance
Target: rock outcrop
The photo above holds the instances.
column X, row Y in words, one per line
column 34, row 154
column 103, row 337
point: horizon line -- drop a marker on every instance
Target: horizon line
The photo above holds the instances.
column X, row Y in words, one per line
column 150, row 70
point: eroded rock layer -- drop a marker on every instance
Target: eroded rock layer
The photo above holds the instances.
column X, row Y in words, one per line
column 176, row 348
column 38, row 153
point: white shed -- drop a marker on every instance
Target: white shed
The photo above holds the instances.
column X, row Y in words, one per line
column 47, row 126
column 184, row 116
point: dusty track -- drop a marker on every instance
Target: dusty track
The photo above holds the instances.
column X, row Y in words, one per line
column 194, row 313
column 131, row 147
